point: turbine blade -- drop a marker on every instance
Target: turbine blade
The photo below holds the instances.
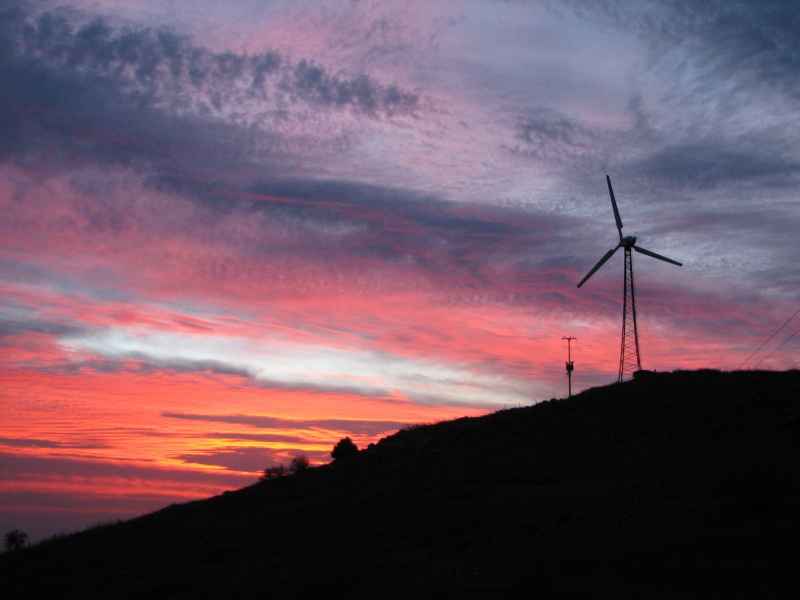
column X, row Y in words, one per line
column 658, row 256
column 598, row 265
column 614, row 205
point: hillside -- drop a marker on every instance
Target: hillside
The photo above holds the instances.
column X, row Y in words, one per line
column 682, row 484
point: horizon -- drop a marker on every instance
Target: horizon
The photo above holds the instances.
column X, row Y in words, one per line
column 237, row 234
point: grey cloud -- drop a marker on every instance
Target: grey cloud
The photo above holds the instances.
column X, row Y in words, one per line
column 181, row 366
column 702, row 161
column 444, row 245
column 262, row 438
column 384, row 208
column 747, row 41
column 736, row 38
column 160, row 69
column 244, row 460
column 91, row 91
column 313, row 83
column 12, row 327
column 286, row 384
column 356, row 427
column 707, row 64
column 74, row 117
column 31, row 467
column 706, row 164
column 566, row 142
column 86, row 92
column 398, row 224
column 546, row 133
column 145, row 363
column 37, row 443
column 81, row 503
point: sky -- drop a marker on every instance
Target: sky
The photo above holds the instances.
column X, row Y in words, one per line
column 237, row 232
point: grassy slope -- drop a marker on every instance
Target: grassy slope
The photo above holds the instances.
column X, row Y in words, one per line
column 679, row 484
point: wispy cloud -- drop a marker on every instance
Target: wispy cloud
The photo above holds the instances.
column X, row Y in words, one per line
column 362, row 427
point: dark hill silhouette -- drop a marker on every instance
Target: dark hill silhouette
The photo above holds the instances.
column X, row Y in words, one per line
column 682, row 484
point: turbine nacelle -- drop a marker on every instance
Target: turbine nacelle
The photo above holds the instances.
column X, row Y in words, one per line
column 628, row 241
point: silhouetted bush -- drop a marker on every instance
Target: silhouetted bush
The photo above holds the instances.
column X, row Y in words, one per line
column 299, row 463
column 274, row 473
column 15, row 539
column 344, row 449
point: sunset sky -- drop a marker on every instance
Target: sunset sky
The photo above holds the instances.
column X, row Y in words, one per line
column 238, row 231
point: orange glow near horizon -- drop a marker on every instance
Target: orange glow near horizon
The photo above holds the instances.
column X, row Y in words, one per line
column 141, row 438
column 126, row 442
column 162, row 421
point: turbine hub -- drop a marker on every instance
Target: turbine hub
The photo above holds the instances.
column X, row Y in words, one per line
column 628, row 241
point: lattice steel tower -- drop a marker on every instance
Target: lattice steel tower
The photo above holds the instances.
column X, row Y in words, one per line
column 629, row 358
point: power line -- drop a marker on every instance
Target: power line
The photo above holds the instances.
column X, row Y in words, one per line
column 778, row 348
column 769, row 338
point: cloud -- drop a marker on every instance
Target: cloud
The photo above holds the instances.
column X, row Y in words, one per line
column 737, row 40
column 36, row 443
column 564, row 142
column 151, row 100
column 707, row 105
column 708, row 163
column 61, row 470
column 733, row 38
column 360, row 427
column 241, row 460
column 163, row 70
column 289, row 366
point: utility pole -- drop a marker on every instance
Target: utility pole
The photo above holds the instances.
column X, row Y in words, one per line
column 570, row 366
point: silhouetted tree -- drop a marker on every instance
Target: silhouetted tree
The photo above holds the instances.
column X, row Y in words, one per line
column 274, row 472
column 299, row 463
column 15, row 539
column 344, row 449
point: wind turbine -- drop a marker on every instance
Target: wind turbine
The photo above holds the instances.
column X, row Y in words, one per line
column 629, row 361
